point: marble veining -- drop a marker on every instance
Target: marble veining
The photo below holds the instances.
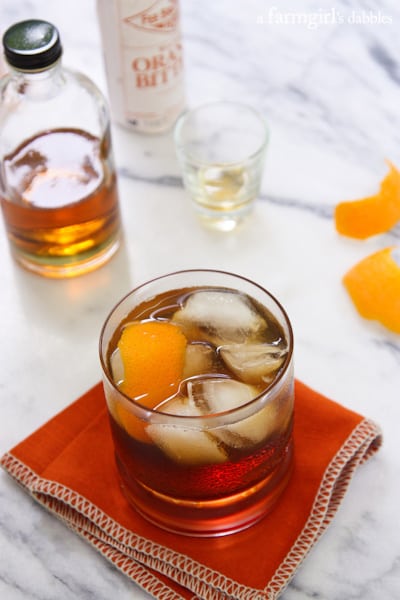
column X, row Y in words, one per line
column 327, row 78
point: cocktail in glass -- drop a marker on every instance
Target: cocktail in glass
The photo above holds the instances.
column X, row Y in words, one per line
column 198, row 378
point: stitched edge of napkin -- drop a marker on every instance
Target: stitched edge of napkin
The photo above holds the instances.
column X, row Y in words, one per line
column 132, row 554
column 77, row 513
column 363, row 442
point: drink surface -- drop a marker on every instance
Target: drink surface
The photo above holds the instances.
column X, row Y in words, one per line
column 233, row 350
column 59, row 197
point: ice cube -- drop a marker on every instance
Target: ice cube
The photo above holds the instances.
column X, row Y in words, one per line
column 253, row 363
column 219, row 317
column 221, row 394
column 223, row 184
column 199, row 359
column 117, row 367
column 184, row 445
column 261, row 425
column 181, row 406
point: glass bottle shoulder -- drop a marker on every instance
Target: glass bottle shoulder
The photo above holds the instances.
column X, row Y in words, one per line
column 51, row 99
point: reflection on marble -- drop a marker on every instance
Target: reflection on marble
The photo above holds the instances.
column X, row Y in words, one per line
column 331, row 94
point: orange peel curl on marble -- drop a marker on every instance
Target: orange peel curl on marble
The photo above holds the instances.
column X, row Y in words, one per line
column 376, row 214
column 374, row 287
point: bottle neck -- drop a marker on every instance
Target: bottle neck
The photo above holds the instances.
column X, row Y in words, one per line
column 38, row 83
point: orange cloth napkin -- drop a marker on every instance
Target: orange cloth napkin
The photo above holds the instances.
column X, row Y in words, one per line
column 68, row 467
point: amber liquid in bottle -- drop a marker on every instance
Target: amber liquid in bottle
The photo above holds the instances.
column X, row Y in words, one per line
column 60, row 202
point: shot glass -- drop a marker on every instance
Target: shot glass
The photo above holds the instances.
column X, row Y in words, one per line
column 201, row 403
column 221, row 149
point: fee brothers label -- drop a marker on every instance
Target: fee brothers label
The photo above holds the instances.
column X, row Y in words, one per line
column 149, row 80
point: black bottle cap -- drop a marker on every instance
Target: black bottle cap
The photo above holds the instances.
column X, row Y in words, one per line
column 32, row 45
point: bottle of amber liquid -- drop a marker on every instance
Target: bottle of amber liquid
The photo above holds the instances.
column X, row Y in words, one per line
column 57, row 180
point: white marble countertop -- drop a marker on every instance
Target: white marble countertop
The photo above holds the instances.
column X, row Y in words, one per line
column 331, row 94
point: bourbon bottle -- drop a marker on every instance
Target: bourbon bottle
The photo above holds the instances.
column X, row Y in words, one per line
column 58, row 186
